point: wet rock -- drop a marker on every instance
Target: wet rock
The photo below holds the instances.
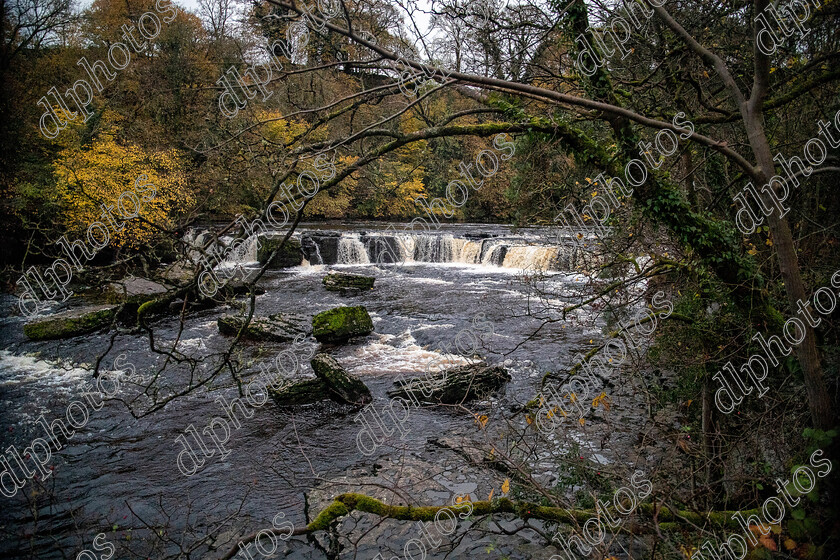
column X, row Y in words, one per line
column 453, row 385
column 348, row 284
column 307, row 391
column 341, row 323
column 134, row 291
column 280, row 327
column 236, row 281
column 321, row 248
column 70, row 323
column 384, row 249
column 289, row 255
column 342, row 386
column 178, row 273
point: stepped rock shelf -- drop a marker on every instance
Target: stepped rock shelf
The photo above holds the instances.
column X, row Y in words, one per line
column 560, row 252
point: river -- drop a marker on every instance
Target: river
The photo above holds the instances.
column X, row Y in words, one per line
column 118, row 474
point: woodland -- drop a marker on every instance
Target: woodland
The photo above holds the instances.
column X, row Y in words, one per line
column 497, row 67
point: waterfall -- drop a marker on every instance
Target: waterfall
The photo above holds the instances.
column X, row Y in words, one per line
column 352, row 251
column 512, row 251
column 529, row 256
column 246, row 252
column 469, row 252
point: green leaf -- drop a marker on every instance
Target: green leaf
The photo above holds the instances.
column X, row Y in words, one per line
column 759, row 486
column 798, row 514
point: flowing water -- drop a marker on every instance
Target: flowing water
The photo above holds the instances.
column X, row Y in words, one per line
column 118, row 472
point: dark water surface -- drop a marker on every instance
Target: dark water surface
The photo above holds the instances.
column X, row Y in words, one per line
column 118, row 470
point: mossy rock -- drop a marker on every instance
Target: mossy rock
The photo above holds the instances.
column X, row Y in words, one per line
column 341, row 323
column 453, row 385
column 343, row 387
column 348, row 283
column 70, row 323
column 307, row 391
column 289, row 255
column 280, row 327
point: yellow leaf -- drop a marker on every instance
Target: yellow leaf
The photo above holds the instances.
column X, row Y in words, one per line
column 790, row 544
column 490, row 497
column 506, row 486
column 582, row 421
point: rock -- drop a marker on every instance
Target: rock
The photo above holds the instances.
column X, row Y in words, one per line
column 134, row 291
column 321, row 247
column 236, row 281
column 384, row 249
column 280, row 327
column 301, row 392
column 178, row 273
column 70, row 323
column 341, row 323
column 453, row 385
column 290, row 255
column 348, row 283
column 342, row 386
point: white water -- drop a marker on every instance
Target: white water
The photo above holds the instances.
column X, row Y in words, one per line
column 352, row 251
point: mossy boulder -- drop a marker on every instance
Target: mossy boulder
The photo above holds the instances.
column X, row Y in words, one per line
column 342, row 386
column 280, row 327
column 341, row 323
column 453, row 385
column 289, row 255
column 348, row 283
column 70, row 323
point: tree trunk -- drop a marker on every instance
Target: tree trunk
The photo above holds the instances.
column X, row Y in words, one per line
column 819, row 402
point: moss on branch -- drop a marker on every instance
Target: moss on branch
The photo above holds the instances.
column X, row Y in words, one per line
column 668, row 520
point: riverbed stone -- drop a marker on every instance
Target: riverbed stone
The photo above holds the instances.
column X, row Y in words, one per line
column 453, row 385
column 280, row 327
column 70, row 323
column 307, row 391
column 348, row 284
column 289, row 255
column 341, row 323
column 134, row 291
column 342, row 386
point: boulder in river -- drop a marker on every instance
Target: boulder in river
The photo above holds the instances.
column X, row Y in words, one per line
column 341, row 323
column 307, row 391
column 332, row 382
column 290, row 255
column 70, row 323
column 134, row 291
column 348, row 283
column 453, row 385
column 342, row 386
column 280, row 327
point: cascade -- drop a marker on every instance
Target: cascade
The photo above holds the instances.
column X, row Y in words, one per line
column 352, row 251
